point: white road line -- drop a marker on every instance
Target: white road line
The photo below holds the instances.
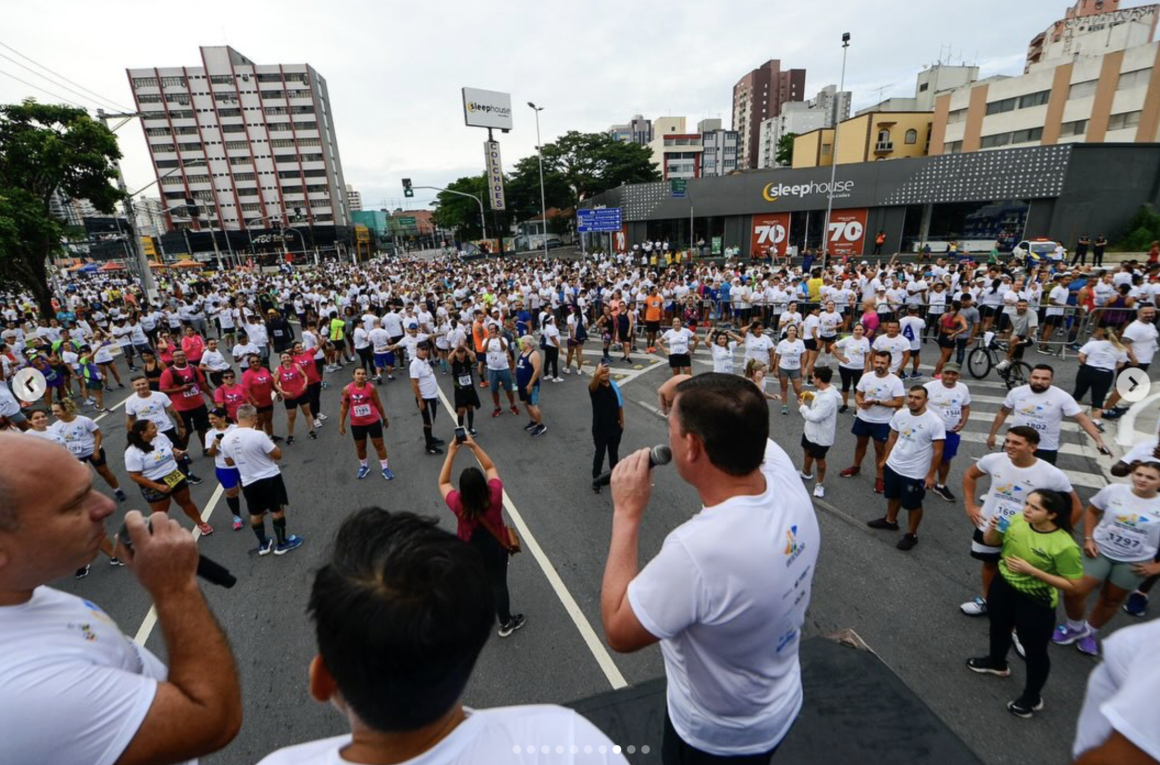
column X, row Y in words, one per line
column 651, row 408
column 1079, row 451
column 150, row 621
column 115, row 406
column 599, row 652
column 1089, row 480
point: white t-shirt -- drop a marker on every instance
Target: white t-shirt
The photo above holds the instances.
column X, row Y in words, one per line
column 947, row 402
column 723, row 357
column 914, row 447
column 78, row 435
column 897, row 346
column 855, row 350
column 421, row 371
column 1101, row 354
column 757, row 347
column 912, row 328
column 875, row 388
column 1042, row 411
column 250, row 448
column 73, row 687
column 727, row 596
column 151, row 408
column 241, row 351
column 789, row 355
column 497, row 355
column 1143, row 339
column 154, row 464
column 677, row 340
column 214, row 361
column 219, row 459
column 1010, row 486
column 1121, row 692
column 486, row 736
column 1141, row 452
column 1129, row 526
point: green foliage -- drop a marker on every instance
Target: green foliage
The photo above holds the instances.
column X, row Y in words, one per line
column 45, row 149
column 1142, row 231
column 784, row 155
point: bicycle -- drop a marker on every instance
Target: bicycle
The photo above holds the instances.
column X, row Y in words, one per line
column 988, row 354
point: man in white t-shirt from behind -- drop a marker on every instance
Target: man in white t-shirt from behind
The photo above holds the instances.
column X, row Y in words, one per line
column 729, row 624
column 73, row 687
column 1043, row 406
column 913, row 454
column 1140, row 338
column 401, row 689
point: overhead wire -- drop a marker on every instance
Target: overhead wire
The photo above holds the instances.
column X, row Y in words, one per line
column 54, row 83
column 106, row 101
column 42, row 90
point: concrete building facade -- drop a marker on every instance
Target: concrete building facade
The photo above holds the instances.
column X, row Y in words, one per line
column 1092, row 27
column 927, row 84
column 637, row 130
column 865, row 138
column 797, row 117
column 353, row 199
column 758, row 96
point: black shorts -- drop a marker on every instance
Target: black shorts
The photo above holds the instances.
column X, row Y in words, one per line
column 987, row 557
column 946, row 341
column 363, row 432
column 908, row 491
column 338, row 344
column 97, row 458
column 265, row 409
column 195, row 419
column 811, row 344
column 151, row 495
column 294, row 403
column 677, row 360
column 266, row 495
column 652, row 326
column 466, row 397
column 1052, row 320
column 1050, row 456
column 850, row 377
column 814, row 450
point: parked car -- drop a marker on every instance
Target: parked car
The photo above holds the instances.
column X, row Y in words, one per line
column 1032, row 251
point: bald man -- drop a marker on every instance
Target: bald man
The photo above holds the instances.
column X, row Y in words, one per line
column 73, row 687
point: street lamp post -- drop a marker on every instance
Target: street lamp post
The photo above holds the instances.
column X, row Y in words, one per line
column 834, row 156
column 543, row 203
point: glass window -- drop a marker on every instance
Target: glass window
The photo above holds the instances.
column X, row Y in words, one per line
column 233, row 128
column 958, row 115
column 229, row 112
column 994, row 141
column 221, row 79
column 1136, row 79
column 157, row 131
column 1078, row 127
column 167, row 82
column 998, row 107
column 1082, row 89
column 270, row 77
column 912, row 136
column 1123, row 120
column 1034, row 99
column 144, row 82
column 1027, row 136
column 177, row 98
column 149, row 98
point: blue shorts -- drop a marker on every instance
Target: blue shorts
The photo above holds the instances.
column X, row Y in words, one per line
column 384, row 360
column 951, row 446
column 497, row 376
column 532, row 398
column 879, row 431
column 228, row 477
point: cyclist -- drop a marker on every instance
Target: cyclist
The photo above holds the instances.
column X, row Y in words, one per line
column 1024, row 325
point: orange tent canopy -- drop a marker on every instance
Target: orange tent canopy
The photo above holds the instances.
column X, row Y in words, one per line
column 112, row 267
column 187, row 264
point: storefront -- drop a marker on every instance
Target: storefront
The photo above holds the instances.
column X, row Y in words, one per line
column 1059, row 192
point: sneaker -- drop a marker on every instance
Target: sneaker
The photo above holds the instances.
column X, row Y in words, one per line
column 984, row 666
column 882, row 523
column 843, row 408
column 195, row 480
column 276, row 439
column 317, row 423
column 472, row 432
column 806, row 476
column 1089, row 644
column 388, row 474
column 390, row 378
column 237, row 523
column 1043, row 350
column 907, row 542
column 438, row 441
column 292, row 543
column 205, row 529
column 879, row 486
column 1015, row 641
column 595, row 488
column 943, row 492
column 289, row 440
column 266, row 547
column 120, row 495
column 1099, row 425
column 517, row 622
column 434, row 450
column 819, row 491
column 515, row 410
column 937, row 377
column 558, row 379
column 363, row 472
column 1065, row 635
column 1136, row 605
column 530, row 426
column 567, row 370
column 1115, row 414
column 850, row 472
column 1002, row 365
column 916, row 375
column 976, row 607
column 540, row 430
column 483, row 383
column 1021, row 708
column 116, row 562
column 323, row 417
column 496, row 412
column 785, row 410
column 313, row 435
column 82, row 572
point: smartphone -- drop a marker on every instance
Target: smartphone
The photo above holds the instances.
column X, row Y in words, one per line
column 460, row 435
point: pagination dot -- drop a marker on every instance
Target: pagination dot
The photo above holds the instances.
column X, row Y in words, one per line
column 644, row 749
column 631, row 749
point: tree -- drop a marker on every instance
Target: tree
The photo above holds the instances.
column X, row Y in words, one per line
column 590, row 163
column 45, row 149
column 784, row 156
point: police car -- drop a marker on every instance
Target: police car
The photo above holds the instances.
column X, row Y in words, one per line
column 1032, row 251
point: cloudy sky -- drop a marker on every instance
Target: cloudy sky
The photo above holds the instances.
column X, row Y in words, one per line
column 395, row 69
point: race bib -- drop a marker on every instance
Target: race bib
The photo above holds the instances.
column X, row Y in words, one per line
column 465, row 381
column 193, row 392
column 362, row 410
column 173, row 479
column 1125, row 540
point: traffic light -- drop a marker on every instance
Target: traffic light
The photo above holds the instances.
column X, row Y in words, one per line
column 191, row 208
column 407, row 190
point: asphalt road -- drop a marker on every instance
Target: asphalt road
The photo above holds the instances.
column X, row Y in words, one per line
column 905, row 605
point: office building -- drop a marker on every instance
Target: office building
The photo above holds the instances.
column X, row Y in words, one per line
column 928, row 83
column 72, row 212
column 719, row 148
column 254, row 143
column 638, row 130
column 150, row 215
column 1107, row 97
column 676, row 152
column 1092, row 27
column 798, row 117
column 353, row 199
column 866, row 138
column 758, row 96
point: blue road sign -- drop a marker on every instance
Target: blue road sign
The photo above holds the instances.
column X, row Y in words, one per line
column 604, row 219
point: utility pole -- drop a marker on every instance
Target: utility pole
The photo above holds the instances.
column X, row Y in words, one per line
column 833, row 162
column 127, row 208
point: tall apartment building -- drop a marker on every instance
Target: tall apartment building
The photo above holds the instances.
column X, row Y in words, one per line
column 637, row 130
column 71, row 211
column 150, row 215
column 262, row 135
column 719, row 148
column 1091, row 27
column 825, row 109
column 758, row 96
column 1105, row 98
column 353, row 199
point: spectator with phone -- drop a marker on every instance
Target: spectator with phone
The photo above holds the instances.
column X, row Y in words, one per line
column 478, row 506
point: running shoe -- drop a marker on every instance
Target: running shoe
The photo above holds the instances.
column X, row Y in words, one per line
column 1026, row 710
column 1065, row 635
column 313, row 435
column 1115, row 414
column 195, row 480
column 292, row 543
column 785, row 410
column 843, row 408
column 237, row 523
column 1099, row 425
column 516, row 623
column 819, row 491
column 496, row 412
column 850, row 472
column 984, row 666
column 530, row 426
column 434, row 450
column 806, row 476
column 120, row 495
column 557, row 379
column 82, row 572
column 943, row 492
column 976, row 607
column 515, row 410
column 1015, row 641
column 1136, row 605
column 472, row 432
column 266, row 547
column 205, row 529
column 1089, row 644
column 387, row 474
column 882, row 523
column 323, row 417
column 363, row 472
column 879, row 486
column 907, row 542
column 116, row 562
column 540, row 430
column 289, row 440
column 317, row 423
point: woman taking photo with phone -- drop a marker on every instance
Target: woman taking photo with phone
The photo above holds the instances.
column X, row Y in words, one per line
column 229, row 477
column 151, row 461
column 478, row 506
column 1039, row 558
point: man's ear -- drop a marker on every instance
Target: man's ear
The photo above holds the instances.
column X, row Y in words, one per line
column 322, row 684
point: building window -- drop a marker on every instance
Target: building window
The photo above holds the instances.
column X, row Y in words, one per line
column 244, row 176
column 144, row 82
column 1034, row 99
column 194, row 146
column 245, row 160
column 826, row 148
column 994, row 141
column 177, row 98
column 1123, row 120
column 270, row 77
column 157, row 131
column 1082, row 89
column 230, row 112
column 953, row 147
column 1078, row 127
column 198, row 179
column 1136, row 79
column 295, row 77
column 149, row 98
column 173, row 82
column 1030, row 135
column 236, row 145
column 221, row 79
column 233, row 128
column 912, row 136
column 179, row 114
column 274, row 126
column 302, row 110
column 958, row 115
column 250, row 207
column 173, row 180
column 998, row 107
column 246, row 192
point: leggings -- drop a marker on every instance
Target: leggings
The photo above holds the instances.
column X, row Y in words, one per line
column 1010, row 609
column 366, row 360
column 314, row 391
column 850, row 378
column 609, row 442
column 1098, row 381
column 495, row 563
column 551, row 361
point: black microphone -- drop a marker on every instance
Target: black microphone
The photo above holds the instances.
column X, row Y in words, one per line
column 209, row 570
column 658, row 455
